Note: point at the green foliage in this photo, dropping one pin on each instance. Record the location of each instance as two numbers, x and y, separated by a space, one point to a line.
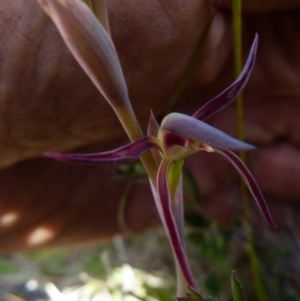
196 220
214 253
237 290
132 170
6 266
192 295
210 245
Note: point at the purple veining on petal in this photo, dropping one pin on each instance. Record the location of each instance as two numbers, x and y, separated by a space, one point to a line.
249 181
171 139
129 152
229 94
197 130
152 131
172 230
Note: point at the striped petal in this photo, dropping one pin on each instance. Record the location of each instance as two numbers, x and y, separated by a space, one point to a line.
192 128
152 131
249 181
170 222
129 152
153 126
230 94
91 45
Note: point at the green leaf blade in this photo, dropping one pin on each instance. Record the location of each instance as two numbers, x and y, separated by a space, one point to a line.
237 290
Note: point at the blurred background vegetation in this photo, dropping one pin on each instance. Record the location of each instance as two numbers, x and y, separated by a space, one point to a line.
140 267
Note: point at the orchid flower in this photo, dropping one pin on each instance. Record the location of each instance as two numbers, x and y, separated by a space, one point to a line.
178 135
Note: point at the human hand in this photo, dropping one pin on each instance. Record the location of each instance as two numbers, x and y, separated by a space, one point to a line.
49 104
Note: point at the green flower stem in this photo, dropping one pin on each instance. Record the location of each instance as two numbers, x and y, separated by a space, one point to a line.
260 290
237 42
121 208
132 128
130 124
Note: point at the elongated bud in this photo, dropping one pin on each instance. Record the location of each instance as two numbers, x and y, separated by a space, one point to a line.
91 45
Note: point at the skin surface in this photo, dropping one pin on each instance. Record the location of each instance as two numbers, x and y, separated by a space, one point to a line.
47 103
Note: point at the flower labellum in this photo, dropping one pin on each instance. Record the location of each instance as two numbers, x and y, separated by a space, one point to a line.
192 128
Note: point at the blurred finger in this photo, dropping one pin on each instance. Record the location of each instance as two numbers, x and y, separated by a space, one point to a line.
277 169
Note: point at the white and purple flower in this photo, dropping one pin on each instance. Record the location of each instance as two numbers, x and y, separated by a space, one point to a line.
177 137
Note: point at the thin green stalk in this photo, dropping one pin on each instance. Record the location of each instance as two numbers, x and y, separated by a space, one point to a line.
237 45
259 286
122 206
131 126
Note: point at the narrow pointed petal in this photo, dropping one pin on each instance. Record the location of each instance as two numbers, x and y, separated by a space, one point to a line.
129 152
250 182
91 45
229 94
153 126
152 131
192 128
170 223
